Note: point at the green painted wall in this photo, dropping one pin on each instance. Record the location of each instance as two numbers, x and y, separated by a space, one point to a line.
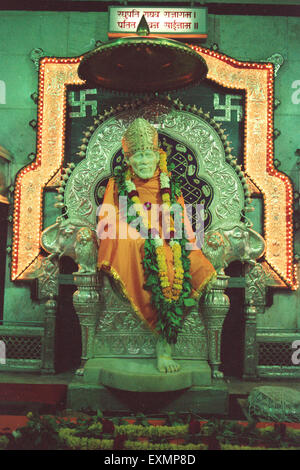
73 33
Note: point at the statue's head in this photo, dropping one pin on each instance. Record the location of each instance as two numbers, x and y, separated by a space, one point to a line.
140 147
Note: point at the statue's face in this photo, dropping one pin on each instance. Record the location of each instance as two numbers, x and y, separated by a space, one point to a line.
144 163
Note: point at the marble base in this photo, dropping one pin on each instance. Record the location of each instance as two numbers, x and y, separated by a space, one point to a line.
204 401
141 375
134 385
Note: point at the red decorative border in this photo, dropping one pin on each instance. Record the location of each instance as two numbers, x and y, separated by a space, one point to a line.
257 81
54 76
238 77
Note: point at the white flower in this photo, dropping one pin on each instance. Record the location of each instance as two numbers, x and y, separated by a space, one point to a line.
130 186
164 180
157 241
173 242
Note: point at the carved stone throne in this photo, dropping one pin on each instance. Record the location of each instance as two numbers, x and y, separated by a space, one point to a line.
201 156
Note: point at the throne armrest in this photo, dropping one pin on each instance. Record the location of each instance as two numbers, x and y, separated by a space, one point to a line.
74 238
229 242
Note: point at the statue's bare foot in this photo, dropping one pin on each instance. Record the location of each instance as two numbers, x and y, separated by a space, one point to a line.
165 363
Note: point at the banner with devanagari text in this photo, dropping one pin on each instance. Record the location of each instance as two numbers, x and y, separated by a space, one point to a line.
166 22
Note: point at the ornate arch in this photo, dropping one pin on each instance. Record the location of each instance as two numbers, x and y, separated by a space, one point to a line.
257 81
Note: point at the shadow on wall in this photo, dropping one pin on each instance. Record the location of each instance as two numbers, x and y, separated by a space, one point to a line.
232 342
68 336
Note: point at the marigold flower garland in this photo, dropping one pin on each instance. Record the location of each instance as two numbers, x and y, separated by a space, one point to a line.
168 300
170 293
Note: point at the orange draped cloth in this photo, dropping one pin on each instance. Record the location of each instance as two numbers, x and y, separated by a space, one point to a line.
122 257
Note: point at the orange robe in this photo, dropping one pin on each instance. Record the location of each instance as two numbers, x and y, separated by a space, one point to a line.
122 258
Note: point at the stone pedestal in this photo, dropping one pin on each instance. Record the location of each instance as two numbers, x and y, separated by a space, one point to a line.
141 375
202 400
135 385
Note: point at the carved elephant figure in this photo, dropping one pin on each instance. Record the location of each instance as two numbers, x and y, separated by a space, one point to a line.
229 242
71 237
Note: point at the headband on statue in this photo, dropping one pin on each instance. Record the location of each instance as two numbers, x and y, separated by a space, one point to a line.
140 135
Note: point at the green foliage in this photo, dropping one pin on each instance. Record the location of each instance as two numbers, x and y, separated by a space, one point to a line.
141 419
173 419
97 432
41 433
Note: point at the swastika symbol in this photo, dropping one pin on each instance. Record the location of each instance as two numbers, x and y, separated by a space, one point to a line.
228 107
83 103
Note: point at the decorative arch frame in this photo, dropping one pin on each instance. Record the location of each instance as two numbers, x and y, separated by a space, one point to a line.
256 79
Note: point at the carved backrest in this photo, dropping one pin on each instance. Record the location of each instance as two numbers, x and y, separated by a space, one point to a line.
199 152
194 143
197 147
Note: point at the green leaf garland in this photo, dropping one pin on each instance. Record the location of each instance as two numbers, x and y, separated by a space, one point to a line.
170 314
